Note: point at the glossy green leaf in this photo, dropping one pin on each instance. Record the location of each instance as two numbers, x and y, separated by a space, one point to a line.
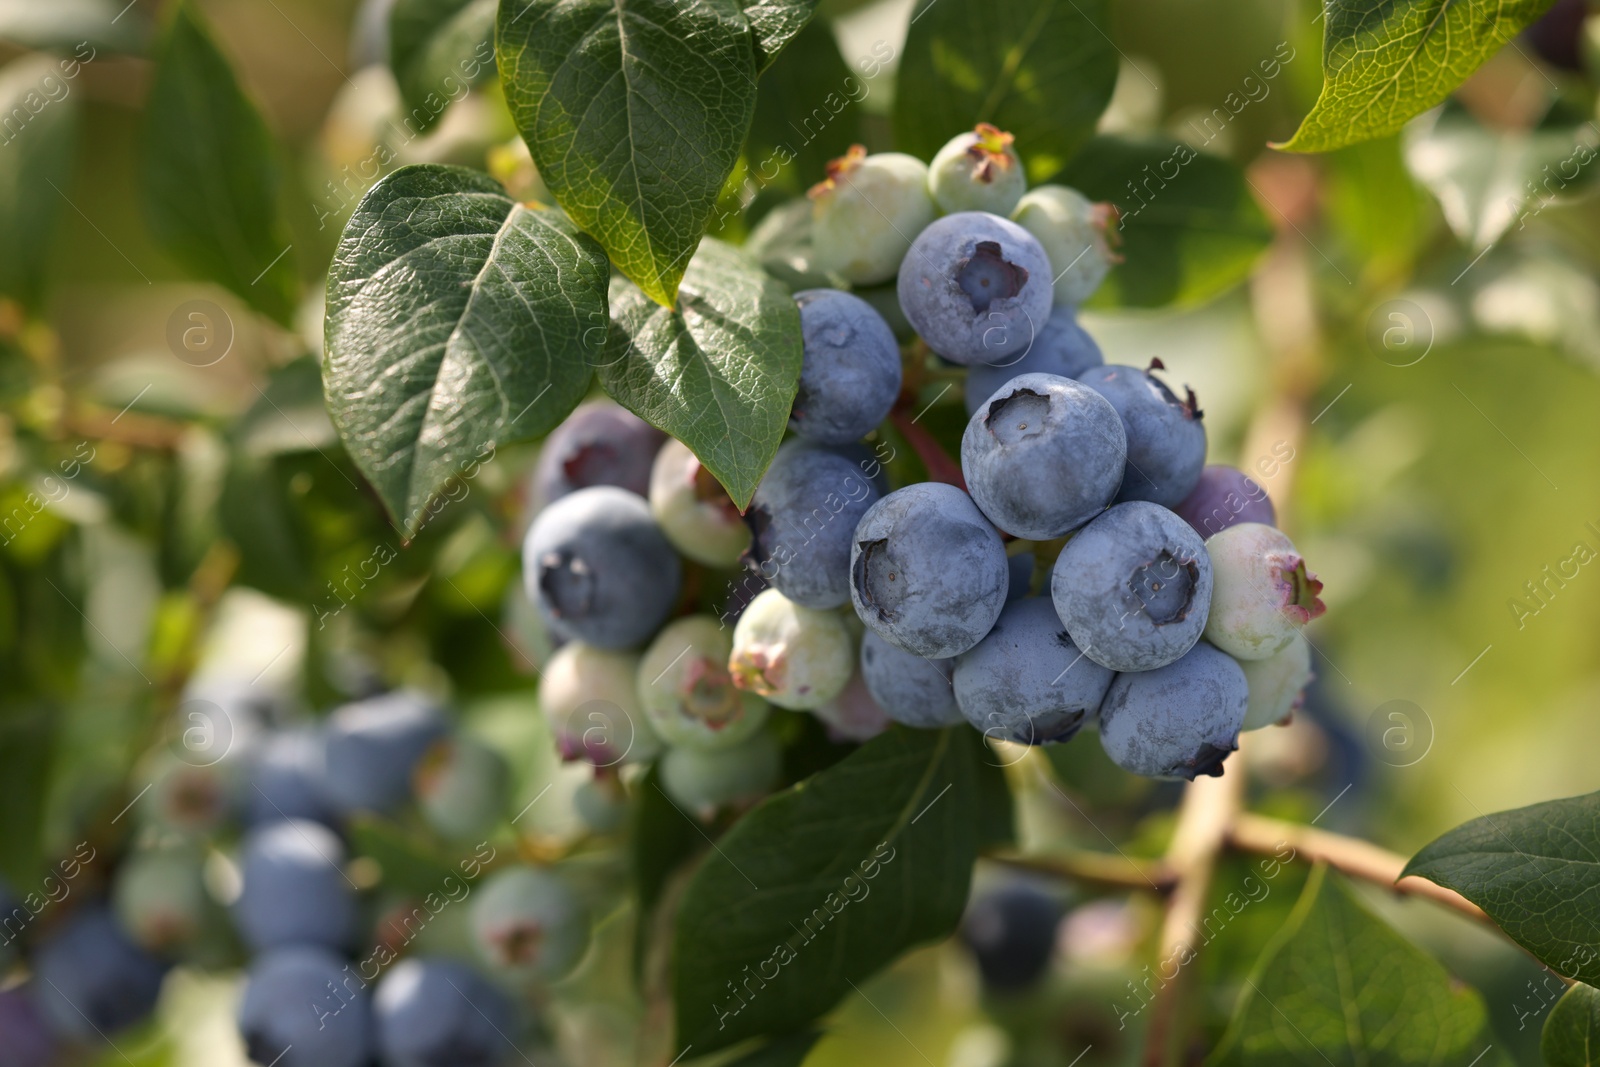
457 320
1188 230
1488 180
38 127
775 23
790 1051
68 24
823 884
437 50
209 174
635 112
1536 871
1571 1035
1385 62
1042 69
808 112
1339 986
720 373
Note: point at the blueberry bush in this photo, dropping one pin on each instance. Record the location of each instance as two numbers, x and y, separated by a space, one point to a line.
680 531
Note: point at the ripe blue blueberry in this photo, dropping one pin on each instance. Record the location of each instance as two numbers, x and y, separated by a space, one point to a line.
1026 681
850 374
1075 235
1166 436
28 1041
1177 721
687 691
1277 684
801 519
373 745
978 171
796 657
976 287
864 212
303 1006
159 897
528 924
430 1012
702 780
928 572
295 891
912 690
462 786
1133 587
1043 456
288 778
1011 932
1224 497
1264 597
693 509
599 568
92 979
1061 347
600 443
590 698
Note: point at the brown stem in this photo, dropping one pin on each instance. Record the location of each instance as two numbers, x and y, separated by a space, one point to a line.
1349 856
941 468
1095 869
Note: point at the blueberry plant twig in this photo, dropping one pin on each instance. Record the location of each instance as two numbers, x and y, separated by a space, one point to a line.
941 468
1099 870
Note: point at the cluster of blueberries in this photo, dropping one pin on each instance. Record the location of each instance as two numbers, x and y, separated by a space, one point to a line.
1090 571
340 974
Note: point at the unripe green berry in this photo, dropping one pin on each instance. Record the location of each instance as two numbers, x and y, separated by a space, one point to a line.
797 657
866 213
693 509
702 780
978 171
686 689
1277 684
1076 236
462 785
590 698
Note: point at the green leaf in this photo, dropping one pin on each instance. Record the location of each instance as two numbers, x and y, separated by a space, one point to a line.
1189 228
823 884
1384 62
437 50
28 740
1571 1035
720 374
209 174
776 23
805 114
1536 871
1338 986
635 111
35 169
1488 180
458 320
661 839
790 1051
69 24
1042 69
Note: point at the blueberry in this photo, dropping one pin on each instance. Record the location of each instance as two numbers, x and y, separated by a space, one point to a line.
1277 684
159 897
1043 456
600 443
976 287
27 1040
1074 233
928 572
693 509
1264 593
801 519
528 924
1061 347
431 1012
910 689
92 979
850 374
978 171
590 698
1011 932
703 780
1133 587
373 745
1177 721
598 566
854 715
601 803
688 694
288 778
1026 681
796 657
1166 436
295 891
186 798
462 786
1224 497
864 210
303 1006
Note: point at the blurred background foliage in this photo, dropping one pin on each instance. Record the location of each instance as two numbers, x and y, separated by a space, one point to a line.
158 518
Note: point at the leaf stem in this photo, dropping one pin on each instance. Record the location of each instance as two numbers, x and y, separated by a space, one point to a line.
1094 869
